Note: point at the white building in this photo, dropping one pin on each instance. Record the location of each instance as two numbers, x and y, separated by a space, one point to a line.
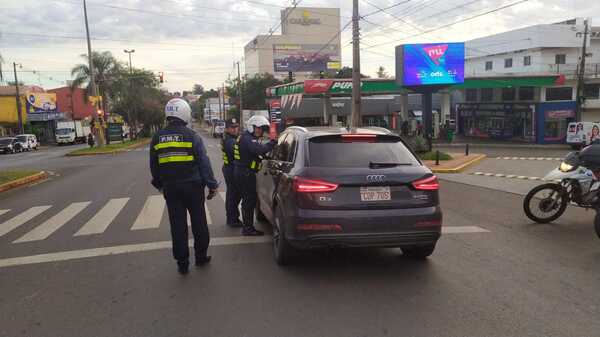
541 50
310 42
215 108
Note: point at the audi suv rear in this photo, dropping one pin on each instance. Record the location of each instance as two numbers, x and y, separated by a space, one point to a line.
324 187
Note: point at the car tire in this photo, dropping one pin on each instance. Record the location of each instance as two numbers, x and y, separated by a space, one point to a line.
418 252
283 252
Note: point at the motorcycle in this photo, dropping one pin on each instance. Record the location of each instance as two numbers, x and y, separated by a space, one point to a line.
575 181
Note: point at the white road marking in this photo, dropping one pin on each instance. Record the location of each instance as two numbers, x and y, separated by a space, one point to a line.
530 158
100 222
4 211
511 176
123 249
44 230
152 213
22 218
463 229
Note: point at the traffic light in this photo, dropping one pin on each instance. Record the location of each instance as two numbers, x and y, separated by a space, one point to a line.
161 78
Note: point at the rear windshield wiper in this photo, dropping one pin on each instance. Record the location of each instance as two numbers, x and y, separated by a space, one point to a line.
383 165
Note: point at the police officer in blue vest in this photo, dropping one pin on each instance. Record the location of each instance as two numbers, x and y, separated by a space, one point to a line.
232 196
247 154
181 169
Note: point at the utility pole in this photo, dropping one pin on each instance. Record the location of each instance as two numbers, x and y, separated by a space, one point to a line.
240 92
131 103
93 88
224 114
581 75
18 98
356 99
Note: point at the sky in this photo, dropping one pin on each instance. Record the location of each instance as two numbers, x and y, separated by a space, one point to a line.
198 41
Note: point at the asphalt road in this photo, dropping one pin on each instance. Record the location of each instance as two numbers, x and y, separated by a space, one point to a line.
84 265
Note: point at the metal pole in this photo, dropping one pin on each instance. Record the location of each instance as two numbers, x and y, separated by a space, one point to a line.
132 105
356 98
18 98
240 92
581 75
93 87
223 113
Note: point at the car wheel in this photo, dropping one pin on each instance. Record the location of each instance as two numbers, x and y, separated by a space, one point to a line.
283 253
418 252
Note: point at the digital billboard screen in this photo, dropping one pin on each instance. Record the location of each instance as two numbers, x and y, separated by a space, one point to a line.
430 64
305 57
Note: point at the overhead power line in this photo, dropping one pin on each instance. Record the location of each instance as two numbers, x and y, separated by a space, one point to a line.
456 22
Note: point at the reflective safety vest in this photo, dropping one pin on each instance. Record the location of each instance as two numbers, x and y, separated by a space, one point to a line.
254 163
227 157
175 152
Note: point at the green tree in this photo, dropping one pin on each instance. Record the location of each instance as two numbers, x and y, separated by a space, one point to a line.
106 69
254 93
198 89
346 72
381 73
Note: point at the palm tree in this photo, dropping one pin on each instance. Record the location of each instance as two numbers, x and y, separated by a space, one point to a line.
106 67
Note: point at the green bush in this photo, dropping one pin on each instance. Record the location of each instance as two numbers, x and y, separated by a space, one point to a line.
418 144
431 156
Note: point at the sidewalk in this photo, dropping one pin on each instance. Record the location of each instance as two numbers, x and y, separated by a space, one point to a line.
457 164
461 141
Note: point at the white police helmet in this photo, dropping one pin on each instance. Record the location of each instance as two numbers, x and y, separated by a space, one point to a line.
179 109
258 122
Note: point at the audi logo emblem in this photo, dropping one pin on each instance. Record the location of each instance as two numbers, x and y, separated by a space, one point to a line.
375 178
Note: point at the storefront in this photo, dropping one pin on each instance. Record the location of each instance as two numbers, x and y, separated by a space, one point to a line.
553 118
497 121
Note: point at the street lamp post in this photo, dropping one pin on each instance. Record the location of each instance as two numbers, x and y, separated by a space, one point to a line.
131 105
18 98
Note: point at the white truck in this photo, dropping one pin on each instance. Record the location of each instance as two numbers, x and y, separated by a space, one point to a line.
71 132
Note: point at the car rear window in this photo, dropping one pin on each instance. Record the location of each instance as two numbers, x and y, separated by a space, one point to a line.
331 151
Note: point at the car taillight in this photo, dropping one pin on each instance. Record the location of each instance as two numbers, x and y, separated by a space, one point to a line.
357 137
311 186
427 184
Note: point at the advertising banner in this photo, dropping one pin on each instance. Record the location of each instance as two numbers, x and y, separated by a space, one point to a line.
430 64
41 102
305 57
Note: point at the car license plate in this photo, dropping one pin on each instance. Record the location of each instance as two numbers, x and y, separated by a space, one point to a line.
375 193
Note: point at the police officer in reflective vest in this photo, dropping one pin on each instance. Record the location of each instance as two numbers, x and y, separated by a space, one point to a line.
232 197
181 169
247 153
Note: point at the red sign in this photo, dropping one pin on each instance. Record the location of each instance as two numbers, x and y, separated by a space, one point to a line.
273 131
436 52
276 104
317 86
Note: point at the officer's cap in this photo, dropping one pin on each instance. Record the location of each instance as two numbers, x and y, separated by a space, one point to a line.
231 123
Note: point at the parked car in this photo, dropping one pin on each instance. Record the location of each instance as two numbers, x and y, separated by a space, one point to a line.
324 187
29 140
10 145
218 128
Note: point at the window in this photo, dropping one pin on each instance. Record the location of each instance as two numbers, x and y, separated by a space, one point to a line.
331 151
489 65
527 60
487 94
507 63
471 95
526 93
591 91
281 150
508 94
559 94
560 59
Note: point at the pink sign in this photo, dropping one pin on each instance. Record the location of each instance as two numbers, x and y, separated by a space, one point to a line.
567 113
436 52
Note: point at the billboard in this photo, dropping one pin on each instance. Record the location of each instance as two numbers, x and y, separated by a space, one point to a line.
41 102
305 57
430 64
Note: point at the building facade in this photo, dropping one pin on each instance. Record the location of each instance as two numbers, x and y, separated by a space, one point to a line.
309 43
73 103
511 104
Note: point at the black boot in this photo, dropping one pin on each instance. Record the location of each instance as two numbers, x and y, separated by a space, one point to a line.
183 267
200 261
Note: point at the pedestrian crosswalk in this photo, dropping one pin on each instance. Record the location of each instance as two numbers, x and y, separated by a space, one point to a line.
52 218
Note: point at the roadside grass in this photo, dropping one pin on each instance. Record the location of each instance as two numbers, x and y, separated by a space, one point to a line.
431 156
8 176
111 148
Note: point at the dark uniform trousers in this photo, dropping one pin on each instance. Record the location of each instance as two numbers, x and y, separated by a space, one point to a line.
245 180
232 195
182 198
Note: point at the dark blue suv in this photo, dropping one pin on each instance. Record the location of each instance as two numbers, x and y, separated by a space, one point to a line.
324 187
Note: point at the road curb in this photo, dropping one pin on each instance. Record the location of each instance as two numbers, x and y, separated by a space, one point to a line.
23 181
130 147
459 168
505 146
